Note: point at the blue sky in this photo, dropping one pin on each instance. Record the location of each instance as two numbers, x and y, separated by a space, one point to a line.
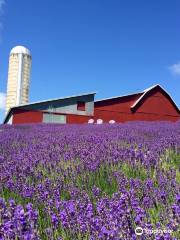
113 47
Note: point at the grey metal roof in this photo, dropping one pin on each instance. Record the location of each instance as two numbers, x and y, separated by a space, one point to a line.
55 99
128 95
121 96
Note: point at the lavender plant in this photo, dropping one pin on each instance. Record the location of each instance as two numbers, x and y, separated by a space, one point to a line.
90 182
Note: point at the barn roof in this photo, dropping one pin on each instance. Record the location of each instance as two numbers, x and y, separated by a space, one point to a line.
121 96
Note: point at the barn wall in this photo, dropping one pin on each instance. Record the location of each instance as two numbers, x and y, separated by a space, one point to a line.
156 106
117 109
73 118
77 119
122 104
154 117
23 116
157 102
106 116
67 105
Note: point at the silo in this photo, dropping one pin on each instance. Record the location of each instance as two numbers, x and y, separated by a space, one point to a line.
18 77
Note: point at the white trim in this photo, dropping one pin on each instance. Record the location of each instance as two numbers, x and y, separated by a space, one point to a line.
148 89
145 91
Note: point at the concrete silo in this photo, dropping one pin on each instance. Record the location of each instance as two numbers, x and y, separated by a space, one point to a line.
18 77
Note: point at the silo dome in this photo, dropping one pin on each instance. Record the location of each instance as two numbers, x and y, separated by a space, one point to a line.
20 49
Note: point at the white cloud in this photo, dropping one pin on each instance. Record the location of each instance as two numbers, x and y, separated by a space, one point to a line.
175 68
2 100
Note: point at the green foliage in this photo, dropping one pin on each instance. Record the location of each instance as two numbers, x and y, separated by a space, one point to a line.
171 160
7 194
101 178
154 213
137 171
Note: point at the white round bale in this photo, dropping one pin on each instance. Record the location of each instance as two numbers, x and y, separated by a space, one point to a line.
112 121
91 121
99 121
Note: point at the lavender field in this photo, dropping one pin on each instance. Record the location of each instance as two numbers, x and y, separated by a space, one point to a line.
90 182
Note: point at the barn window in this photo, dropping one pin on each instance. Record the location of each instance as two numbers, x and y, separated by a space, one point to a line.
53 118
81 106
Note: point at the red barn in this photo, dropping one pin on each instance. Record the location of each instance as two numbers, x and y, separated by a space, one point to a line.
152 104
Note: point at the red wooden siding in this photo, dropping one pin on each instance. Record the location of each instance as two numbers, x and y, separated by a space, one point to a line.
155 106
106 116
72 118
121 104
117 109
157 102
24 116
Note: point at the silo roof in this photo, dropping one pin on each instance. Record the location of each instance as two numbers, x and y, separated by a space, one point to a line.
20 49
